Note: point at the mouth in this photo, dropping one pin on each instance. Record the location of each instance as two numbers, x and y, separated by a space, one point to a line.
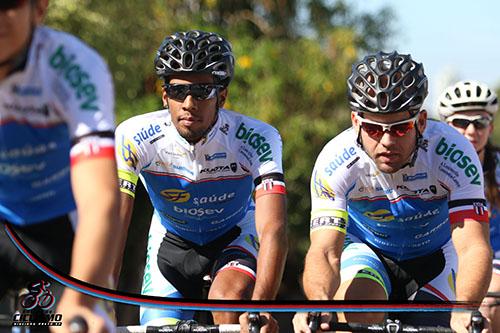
187 120
388 156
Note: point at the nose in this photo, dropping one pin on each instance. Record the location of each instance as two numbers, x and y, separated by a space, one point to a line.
471 129
388 140
189 103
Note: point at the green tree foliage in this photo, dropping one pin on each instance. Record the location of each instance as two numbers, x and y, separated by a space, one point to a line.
292 62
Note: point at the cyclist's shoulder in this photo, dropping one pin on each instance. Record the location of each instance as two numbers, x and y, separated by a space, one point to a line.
57 39
344 141
240 123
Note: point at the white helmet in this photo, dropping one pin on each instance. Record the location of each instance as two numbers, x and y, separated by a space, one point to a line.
465 96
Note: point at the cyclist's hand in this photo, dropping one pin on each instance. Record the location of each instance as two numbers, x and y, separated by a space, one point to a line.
97 319
267 323
461 322
301 322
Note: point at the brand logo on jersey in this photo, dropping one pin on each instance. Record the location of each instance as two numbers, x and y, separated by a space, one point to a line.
417 176
217 199
147 133
431 189
224 128
175 195
198 212
215 156
380 215
78 79
26 90
220 168
457 156
323 190
256 141
129 153
339 159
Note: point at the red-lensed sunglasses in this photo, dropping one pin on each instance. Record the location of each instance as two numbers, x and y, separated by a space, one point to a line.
397 129
11 4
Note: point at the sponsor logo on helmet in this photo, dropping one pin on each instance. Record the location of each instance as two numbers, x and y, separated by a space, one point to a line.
459 158
77 78
256 141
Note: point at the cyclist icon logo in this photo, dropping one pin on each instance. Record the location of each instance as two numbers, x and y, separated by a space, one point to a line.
40 295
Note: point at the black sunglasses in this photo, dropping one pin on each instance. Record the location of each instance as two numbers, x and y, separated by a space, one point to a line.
200 92
11 4
463 123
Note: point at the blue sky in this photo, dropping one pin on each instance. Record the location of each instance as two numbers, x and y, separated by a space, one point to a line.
453 39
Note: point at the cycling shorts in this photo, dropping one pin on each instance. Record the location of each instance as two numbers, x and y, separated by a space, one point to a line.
51 241
433 273
176 267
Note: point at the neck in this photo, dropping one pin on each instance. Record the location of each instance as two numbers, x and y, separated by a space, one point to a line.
481 154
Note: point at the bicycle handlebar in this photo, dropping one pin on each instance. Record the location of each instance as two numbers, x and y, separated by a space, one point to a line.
477 325
224 328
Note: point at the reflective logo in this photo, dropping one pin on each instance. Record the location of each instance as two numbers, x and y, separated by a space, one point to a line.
381 215
175 195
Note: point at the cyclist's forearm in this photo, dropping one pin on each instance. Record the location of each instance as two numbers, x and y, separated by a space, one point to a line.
94 250
270 264
321 277
474 273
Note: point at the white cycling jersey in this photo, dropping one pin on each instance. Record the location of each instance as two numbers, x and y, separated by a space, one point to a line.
199 191
58 101
405 214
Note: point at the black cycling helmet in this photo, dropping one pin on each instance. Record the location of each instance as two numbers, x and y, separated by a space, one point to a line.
387 83
195 52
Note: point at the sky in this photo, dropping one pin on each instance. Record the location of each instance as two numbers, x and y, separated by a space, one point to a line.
455 40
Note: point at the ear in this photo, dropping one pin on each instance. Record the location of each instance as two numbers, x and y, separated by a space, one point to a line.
40 9
222 97
164 98
422 121
355 122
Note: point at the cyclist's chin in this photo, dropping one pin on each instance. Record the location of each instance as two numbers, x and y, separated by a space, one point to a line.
191 133
389 166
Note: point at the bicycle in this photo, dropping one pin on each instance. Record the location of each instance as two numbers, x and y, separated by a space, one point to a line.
392 326
78 325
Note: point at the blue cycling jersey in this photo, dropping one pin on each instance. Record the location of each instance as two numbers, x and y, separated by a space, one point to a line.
60 95
199 191
405 214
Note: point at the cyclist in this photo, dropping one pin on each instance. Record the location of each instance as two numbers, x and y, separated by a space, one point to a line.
57 162
390 197
473 103
200 164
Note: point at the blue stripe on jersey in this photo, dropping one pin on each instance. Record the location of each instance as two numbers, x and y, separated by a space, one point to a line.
34 173
403 229
199 211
